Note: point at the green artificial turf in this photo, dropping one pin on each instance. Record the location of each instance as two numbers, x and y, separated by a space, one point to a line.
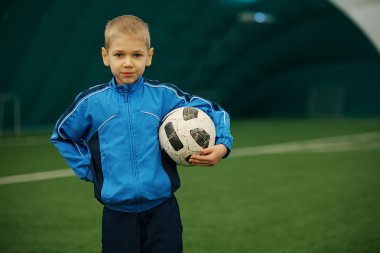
291 202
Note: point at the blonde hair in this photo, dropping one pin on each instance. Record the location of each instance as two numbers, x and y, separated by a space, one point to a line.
128 25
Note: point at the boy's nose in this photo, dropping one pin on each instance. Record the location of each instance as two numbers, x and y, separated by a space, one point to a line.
127 62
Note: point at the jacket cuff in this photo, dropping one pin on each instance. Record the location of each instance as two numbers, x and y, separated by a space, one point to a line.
227 143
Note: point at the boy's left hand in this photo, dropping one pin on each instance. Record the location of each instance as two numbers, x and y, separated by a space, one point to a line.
209 156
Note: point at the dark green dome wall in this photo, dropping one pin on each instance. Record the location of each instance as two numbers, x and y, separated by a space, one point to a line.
311 61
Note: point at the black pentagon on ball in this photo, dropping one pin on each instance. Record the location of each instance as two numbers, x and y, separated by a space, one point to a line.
187 159
173 137
200 136
189 113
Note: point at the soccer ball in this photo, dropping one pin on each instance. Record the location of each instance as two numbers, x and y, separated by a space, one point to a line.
184 132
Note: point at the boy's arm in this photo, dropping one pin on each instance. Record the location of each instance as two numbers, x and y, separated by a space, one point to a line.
68 138
212 155
221 119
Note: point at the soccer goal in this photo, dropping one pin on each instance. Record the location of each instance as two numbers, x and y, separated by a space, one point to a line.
326 102
10 113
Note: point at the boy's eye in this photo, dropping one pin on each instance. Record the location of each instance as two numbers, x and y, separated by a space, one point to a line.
118 54
137 55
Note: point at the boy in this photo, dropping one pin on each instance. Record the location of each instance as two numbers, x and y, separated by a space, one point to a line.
109 136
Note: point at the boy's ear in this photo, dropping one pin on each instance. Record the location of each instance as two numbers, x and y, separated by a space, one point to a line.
150 56
105 57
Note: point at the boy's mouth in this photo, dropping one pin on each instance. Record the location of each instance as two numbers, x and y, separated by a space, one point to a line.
127 73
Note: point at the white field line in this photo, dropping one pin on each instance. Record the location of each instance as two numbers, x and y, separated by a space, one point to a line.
38 176
365 141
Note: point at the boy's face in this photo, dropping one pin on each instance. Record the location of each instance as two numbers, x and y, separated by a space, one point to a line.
127 57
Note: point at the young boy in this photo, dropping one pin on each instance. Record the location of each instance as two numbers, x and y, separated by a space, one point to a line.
109 136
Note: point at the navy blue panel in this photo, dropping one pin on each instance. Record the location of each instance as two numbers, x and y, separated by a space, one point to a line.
171 170
180 93
96 166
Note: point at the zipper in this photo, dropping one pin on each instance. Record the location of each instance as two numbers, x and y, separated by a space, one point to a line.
127 99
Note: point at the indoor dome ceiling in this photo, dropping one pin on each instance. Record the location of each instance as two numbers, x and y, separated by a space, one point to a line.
366 14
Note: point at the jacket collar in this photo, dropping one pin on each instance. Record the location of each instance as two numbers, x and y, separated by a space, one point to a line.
126 87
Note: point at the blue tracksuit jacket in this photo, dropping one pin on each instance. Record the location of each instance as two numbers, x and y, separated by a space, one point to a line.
109 136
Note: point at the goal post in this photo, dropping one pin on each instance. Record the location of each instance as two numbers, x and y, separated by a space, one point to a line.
10 113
